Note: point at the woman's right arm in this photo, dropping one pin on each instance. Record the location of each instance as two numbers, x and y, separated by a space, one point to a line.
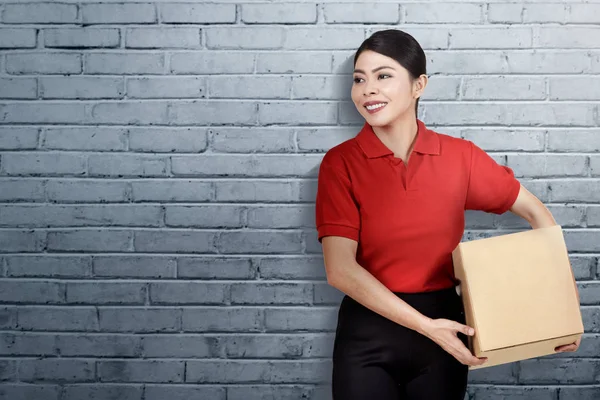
346 275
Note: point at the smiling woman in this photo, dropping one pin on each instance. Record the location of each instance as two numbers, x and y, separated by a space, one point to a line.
389 78
388 227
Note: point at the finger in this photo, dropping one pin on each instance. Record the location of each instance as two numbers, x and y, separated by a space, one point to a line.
562 346
567 347
475 361
469 358
466 329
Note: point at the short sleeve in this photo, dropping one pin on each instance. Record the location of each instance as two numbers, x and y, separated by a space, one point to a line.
337 212
492 187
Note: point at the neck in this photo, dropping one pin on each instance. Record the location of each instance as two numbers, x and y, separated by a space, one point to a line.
399 135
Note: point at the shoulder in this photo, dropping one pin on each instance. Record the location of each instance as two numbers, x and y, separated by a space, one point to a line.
452 145
467 152
341 155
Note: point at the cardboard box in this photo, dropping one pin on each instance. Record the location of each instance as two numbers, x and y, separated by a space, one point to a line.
518 294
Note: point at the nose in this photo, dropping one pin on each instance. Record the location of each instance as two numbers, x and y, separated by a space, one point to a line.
370 87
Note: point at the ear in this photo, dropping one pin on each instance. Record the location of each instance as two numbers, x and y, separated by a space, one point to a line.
419 86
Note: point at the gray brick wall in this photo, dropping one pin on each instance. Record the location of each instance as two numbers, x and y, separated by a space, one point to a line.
158 165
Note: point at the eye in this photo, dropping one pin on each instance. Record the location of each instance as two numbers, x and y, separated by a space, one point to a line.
380 75
356 80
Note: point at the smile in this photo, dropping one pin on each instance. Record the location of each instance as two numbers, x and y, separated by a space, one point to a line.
375 107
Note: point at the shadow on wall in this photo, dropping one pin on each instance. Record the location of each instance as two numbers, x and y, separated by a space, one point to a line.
349 124
348 113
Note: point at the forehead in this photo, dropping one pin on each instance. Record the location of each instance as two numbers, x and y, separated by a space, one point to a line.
368 60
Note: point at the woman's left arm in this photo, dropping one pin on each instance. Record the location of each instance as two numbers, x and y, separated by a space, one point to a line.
530 208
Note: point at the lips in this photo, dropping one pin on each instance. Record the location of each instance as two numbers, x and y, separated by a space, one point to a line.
374 106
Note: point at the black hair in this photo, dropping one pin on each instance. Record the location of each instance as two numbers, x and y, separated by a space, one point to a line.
400 46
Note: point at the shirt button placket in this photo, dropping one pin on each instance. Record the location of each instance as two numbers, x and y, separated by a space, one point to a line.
401 169
404 172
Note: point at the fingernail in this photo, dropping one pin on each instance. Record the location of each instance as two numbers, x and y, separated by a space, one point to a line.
471 331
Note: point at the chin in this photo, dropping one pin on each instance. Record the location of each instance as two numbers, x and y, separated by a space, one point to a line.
385 120
378 120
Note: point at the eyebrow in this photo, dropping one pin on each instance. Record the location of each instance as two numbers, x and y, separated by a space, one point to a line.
374 70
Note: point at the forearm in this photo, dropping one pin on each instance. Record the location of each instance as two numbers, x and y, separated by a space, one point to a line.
363 287
541 217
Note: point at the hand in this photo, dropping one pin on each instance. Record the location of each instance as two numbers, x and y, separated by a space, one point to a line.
443 332
568 347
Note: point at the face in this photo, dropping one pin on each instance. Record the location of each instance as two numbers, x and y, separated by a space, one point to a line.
382 89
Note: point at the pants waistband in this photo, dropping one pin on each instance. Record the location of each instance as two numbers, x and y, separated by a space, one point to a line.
451 291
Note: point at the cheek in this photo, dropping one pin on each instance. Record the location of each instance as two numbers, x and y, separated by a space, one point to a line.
354 93
397 91
355 96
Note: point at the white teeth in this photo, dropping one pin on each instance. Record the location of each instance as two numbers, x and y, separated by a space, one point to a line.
375 106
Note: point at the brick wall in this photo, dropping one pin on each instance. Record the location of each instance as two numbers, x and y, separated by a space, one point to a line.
158 168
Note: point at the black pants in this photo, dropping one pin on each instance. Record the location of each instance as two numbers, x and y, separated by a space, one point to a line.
375 358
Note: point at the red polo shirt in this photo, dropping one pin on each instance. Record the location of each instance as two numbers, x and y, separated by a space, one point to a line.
407 220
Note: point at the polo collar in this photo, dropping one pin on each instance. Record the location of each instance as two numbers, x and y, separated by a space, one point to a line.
427 142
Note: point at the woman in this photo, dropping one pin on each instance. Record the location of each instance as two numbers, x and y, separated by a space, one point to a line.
389 211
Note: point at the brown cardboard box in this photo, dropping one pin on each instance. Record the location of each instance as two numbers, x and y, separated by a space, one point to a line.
518 294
